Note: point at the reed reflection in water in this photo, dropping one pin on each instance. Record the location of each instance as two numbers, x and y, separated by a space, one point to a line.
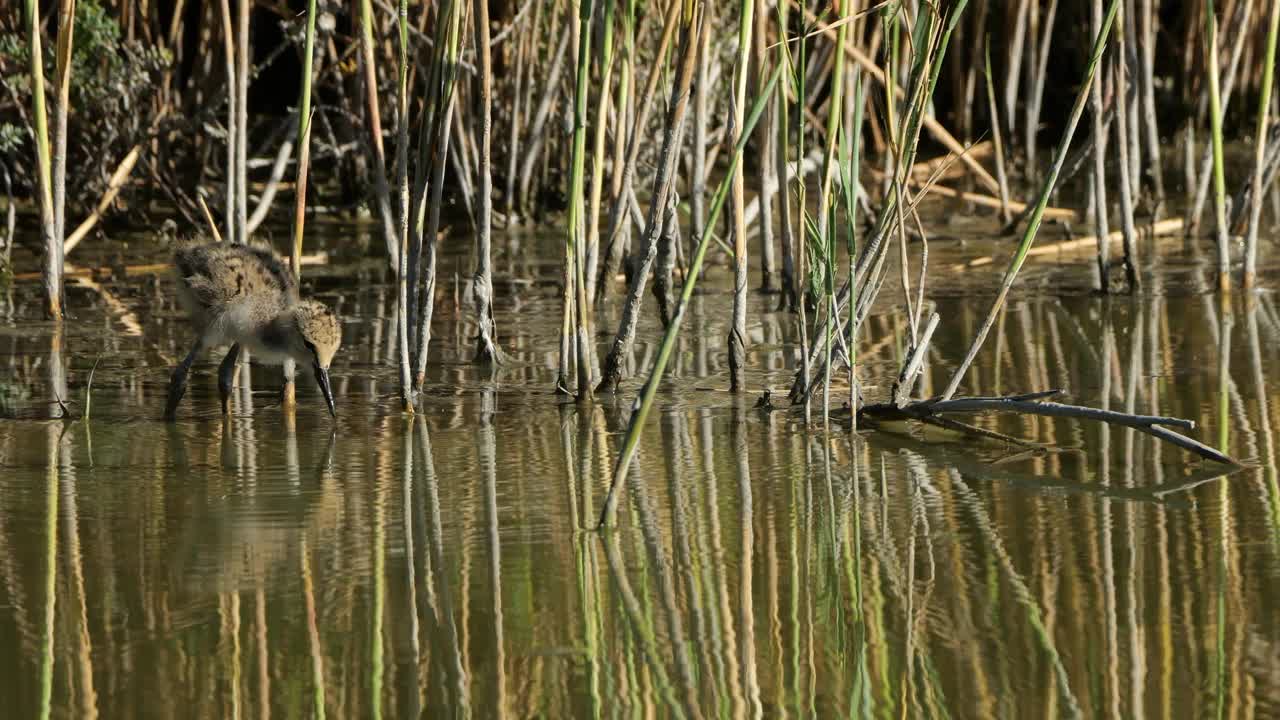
394 568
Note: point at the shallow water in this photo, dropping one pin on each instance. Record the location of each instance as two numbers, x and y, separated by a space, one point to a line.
381 566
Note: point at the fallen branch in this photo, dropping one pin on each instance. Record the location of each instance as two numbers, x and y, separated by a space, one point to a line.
1155 425
114 184
1054 213
118 179
1172 226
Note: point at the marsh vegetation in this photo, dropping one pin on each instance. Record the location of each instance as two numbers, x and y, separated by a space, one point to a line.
885 358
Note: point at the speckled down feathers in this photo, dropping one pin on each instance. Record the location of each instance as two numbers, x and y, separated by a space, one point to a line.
245 294
215 277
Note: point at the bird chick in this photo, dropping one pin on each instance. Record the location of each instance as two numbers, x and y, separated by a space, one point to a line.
246 296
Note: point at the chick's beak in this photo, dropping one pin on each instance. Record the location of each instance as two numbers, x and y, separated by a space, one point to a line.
322 379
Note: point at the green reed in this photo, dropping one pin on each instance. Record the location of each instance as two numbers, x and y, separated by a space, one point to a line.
737 341
1215 135
300 184
1260 148
53 251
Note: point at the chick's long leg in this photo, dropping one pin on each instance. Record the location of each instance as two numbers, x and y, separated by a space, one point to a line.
227 376
178 382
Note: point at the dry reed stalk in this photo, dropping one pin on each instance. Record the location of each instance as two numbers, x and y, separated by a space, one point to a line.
1147 48
1097 119
486 343
598 155
779 120
701 94
283 155
997 137
373 118
1215 134
242 121
229 57
1160 228
663 186
618 213
1039 75
623 128
766 186
1130 96
523 43
1120 85
737 341
1013 65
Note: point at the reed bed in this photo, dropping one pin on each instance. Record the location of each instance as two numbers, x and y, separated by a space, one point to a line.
491 105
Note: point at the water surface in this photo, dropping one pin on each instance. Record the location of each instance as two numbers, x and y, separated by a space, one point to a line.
259 566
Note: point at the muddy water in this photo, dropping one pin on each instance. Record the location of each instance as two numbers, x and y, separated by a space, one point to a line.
383 567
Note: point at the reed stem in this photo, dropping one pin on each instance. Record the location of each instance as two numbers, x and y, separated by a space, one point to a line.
52 265
1260 148
737 342
486 332
1215 135
300 186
